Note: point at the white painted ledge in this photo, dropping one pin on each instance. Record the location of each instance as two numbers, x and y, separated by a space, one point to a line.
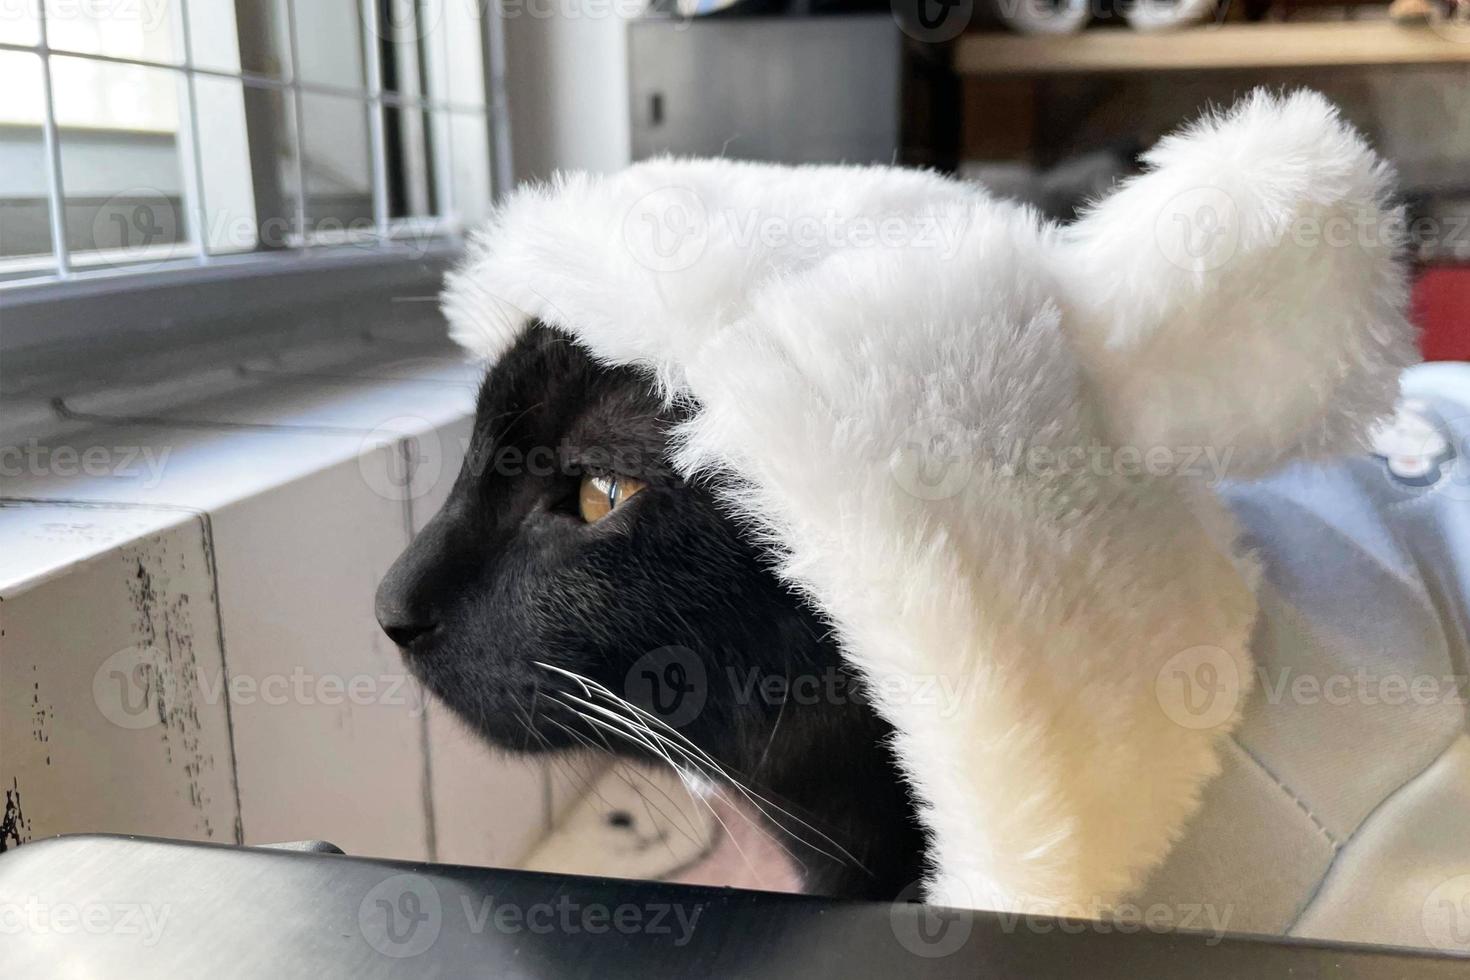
187 644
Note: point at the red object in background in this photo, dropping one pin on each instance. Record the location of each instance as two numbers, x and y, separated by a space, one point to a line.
1441 309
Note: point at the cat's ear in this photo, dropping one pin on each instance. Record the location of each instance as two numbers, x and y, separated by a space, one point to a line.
1245 293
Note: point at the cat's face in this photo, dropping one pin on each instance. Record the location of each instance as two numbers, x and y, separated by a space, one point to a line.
568 544
575 593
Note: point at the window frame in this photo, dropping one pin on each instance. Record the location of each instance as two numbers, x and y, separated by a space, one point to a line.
37 312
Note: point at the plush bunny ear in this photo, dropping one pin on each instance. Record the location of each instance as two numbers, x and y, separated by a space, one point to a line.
1244 294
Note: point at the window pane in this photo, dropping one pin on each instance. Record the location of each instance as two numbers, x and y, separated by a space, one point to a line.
412 184
434 50
249 185
338 164
25 218
266 179
470 152
240 35
329 41
101 95
19 22
403 25
120 161
451 44
143 31
463 28
270 116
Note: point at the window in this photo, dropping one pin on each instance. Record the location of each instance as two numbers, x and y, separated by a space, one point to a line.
146 134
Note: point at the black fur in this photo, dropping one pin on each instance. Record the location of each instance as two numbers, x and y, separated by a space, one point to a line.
665 602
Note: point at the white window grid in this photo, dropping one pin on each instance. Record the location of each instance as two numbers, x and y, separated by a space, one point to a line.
388 233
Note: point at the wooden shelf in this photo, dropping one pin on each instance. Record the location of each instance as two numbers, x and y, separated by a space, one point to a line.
1212 46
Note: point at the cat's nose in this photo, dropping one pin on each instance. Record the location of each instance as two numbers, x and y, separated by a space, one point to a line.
399 620
411 597
403 633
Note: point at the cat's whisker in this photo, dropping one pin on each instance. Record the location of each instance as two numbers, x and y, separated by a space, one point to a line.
565 765
653 748
776 727
684 779
755 799
693 795
641 735
663 745
591 687
735 841
622 771
703 758
584 740
582 780
648 805
654 740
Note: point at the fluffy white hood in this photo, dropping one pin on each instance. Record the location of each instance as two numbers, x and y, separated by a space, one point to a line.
982 444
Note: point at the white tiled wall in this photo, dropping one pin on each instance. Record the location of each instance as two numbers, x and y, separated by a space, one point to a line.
318 681
187 643
107 720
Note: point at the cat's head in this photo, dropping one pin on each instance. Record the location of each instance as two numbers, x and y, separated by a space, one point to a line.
568 548
574 592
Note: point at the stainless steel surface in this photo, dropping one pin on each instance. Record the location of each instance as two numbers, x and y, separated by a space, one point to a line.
784 89
122 907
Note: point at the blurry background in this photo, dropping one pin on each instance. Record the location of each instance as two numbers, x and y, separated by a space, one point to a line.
226 401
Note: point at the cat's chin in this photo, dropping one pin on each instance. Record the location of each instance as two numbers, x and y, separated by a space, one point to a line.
525 741
506 719
513 729
507 715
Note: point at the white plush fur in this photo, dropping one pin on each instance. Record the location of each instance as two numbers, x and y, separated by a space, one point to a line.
1015 612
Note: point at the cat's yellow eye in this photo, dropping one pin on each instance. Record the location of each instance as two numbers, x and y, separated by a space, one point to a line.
601 495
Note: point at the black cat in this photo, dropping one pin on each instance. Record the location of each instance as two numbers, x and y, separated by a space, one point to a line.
574 591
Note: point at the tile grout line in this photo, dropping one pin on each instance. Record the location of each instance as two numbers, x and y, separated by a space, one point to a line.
224 661
426 785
